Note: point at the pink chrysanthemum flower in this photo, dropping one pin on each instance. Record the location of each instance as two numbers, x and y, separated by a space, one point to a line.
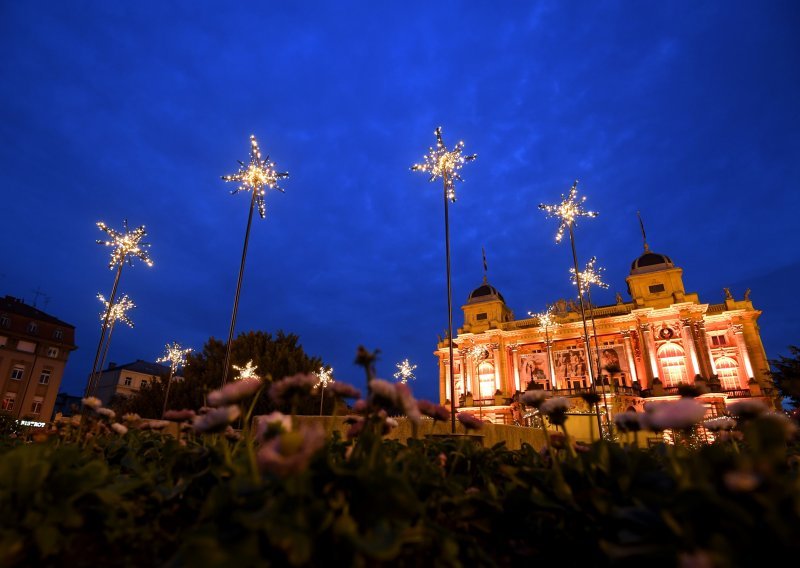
119 428
534 398
469 421
435 411
107 412
290 453
179 415
343 390
301 384
92 402
216 419
270 425
234 392
681 415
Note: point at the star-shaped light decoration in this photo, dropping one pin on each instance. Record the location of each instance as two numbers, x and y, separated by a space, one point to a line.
477 352
405 371
257 176
175 355
546 319
568 210
591 276
443 163
127 245
324 376
118 310
246 372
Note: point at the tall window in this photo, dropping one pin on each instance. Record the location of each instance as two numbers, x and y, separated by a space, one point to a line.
17 372
36 407
672 361
52 352
5 321
58 334
127 381
486 377
8 401
718 340
33 327
44 378
728 373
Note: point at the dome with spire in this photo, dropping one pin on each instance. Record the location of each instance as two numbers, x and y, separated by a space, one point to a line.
651 261
485 292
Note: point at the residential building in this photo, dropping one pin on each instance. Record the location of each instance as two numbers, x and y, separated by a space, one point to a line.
34 347
128 379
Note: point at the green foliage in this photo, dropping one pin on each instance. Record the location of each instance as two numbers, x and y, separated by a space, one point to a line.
144 499
786 374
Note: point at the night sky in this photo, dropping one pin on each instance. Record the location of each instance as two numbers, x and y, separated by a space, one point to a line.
686 111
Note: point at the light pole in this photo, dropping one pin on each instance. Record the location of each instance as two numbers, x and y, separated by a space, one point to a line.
256 177
567 211
588 278
325 377
175 355
443 163
127 245
546 321
118 313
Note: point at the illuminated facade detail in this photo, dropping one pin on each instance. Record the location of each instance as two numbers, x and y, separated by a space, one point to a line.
34 347
128 379
661 333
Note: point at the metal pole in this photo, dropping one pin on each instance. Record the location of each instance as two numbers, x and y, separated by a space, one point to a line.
106 349
449 310
321 398
91 387
549 362
238 290
166 394
597 354
585 329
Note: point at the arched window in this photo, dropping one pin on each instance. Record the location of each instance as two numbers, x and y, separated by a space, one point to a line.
672 361
486 379
728 373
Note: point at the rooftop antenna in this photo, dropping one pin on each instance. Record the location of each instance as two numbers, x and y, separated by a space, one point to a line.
38 292
644 236
485 266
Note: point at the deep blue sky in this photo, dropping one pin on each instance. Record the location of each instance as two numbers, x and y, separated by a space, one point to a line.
687 111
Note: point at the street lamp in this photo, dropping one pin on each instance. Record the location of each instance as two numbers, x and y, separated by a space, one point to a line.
445 164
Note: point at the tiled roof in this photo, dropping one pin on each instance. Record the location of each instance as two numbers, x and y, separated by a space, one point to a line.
13 305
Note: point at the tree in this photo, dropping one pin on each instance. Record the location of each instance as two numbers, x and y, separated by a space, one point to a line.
275 357
786 375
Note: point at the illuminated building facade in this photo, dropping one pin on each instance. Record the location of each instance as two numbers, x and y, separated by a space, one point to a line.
34 347
128 379
663 337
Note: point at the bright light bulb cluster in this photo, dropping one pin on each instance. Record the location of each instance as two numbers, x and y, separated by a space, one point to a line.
175 355
324 376
118 310
127 245
545 318
405 371
477 352
568 210
257 176
246 372
590 276
443 163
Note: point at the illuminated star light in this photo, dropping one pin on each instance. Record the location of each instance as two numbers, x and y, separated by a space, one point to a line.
325 377
405 371
118 310
591 276
257 176
175 355
443 163
127 245
477 352
545 318
246 372
568 210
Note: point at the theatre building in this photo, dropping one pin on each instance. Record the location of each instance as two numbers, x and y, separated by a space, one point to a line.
661 338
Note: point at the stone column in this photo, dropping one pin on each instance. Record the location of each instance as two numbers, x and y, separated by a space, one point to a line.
737 334
496 358
626 342
444 377
649 347
689 348
707 358
515 361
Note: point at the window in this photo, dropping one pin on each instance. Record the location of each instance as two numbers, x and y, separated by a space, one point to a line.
481 316
728 373
128 381
52 352
673 364
58 334
719 340
656 288
17 372
143 383
486 380
5 321
8 401
36 407
33 327
44 378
